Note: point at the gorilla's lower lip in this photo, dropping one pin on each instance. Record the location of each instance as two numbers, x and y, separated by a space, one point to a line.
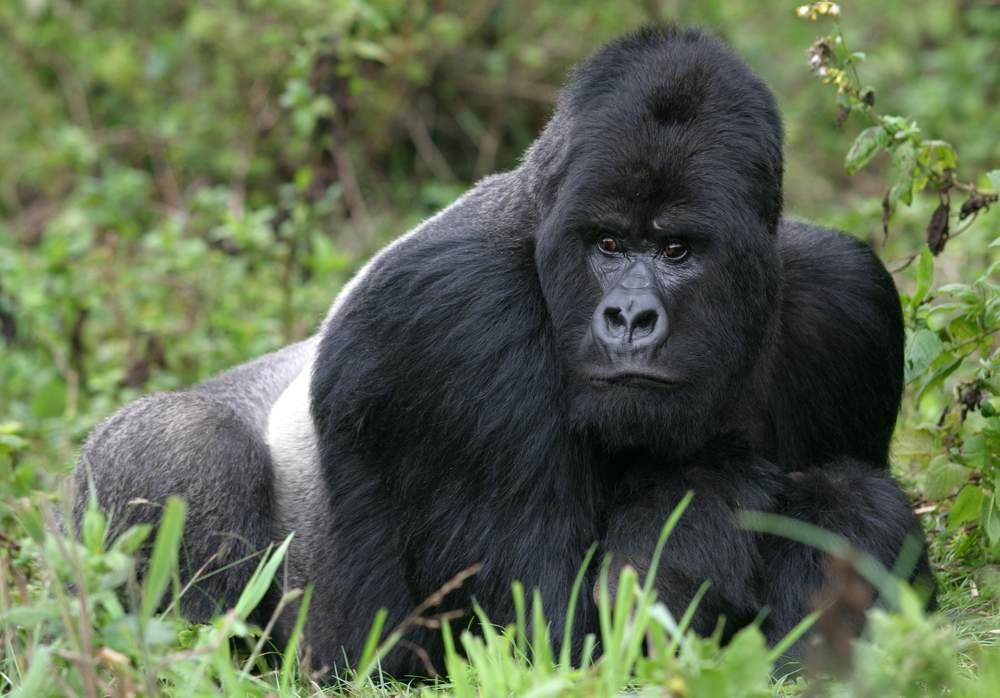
657 380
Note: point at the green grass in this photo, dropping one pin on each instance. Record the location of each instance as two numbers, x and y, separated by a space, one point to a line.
76 620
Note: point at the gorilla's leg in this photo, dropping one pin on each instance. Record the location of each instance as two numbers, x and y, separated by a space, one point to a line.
853 500
200 449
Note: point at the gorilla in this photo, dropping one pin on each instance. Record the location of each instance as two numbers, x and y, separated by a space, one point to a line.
553 361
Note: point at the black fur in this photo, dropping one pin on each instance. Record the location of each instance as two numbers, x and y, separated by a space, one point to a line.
497 390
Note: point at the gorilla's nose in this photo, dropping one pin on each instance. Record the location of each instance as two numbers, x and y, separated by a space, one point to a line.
630 320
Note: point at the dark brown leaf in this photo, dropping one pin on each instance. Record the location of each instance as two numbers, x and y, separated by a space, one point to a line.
970 397
937 228
974 203
843 600
842 115
886 215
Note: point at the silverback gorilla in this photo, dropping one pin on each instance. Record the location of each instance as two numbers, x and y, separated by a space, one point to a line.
550 362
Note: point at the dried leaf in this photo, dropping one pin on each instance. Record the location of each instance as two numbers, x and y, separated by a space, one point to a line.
937 228
842 115
844 599
886 215
974 203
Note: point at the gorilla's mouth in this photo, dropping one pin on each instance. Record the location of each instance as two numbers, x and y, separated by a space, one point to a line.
649 379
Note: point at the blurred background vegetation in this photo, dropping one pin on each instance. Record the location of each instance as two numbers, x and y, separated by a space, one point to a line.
186 185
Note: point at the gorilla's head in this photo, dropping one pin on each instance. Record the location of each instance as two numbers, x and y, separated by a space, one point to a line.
658 189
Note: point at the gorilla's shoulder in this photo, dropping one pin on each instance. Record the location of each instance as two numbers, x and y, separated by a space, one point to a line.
458 289
841 335
833 279
476 250
808 248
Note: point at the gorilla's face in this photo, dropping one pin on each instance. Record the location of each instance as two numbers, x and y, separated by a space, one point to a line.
658 187
662 281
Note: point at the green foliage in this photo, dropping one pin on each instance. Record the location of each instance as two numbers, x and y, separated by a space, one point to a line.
75 621
952 357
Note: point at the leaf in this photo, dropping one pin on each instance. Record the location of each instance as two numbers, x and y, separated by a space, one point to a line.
943 476
966 507
744 663
50 399
904 166
943 366
868 143
39 675
990 519
925 278
939 156
976 452
976 203
261 579
94 526
994 177
31 522
887 210
371 51
130 540
922 347
27 617
937 228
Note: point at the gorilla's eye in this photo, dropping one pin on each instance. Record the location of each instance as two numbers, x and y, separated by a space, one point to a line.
609 245
675 250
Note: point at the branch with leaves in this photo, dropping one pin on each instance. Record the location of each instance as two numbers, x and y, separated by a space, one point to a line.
918 163
952 360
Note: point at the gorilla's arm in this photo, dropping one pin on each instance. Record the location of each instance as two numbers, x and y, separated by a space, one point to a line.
850 499
442 443
707 543
837 372
748 572
831 409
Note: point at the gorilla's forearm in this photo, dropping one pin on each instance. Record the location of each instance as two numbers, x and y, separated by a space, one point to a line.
850 499
749 572
707 544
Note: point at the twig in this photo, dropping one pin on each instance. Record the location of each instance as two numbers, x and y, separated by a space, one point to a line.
266 632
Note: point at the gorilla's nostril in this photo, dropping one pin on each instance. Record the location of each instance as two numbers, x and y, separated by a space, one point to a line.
615 321
644 324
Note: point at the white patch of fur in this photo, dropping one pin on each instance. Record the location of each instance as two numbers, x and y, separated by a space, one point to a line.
290 433
291 438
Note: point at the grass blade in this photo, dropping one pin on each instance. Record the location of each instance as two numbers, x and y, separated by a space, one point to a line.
564 651
289 655
163 561
668 528
368 654
261 579
792 637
